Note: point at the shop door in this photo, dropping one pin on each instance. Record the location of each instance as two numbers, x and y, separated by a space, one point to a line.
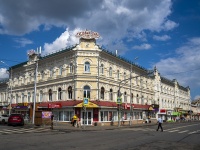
87 118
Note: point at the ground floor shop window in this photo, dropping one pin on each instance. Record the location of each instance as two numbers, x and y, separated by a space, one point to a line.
109 116
137 115
63 115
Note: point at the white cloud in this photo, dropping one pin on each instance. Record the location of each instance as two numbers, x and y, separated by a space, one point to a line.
185 66
67 38
23 41
161 38
3 73
142 47
121 19
169 25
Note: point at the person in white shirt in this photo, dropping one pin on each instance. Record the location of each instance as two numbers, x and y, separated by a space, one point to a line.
160 121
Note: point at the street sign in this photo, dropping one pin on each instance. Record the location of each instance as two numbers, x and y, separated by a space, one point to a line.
119 100
85 101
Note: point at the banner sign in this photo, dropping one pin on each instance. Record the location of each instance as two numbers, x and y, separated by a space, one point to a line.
46 114
54 106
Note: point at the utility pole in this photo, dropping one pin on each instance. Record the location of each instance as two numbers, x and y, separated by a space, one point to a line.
131 98
35 91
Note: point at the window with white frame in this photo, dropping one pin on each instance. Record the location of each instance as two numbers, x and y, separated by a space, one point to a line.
87 66
69 92
110 71
63 115
17 98
59 93
71 68
125 97
108 116
60 70
118 75
23 98
111 94
102 92
86 92
137 98
50 95
101 69
29 97
124 75
51 72
41 95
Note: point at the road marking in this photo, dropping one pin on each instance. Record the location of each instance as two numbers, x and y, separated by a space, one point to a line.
183 131
24 130
173 131
194 132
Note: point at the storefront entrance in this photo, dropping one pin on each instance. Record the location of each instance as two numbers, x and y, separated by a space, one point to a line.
87 117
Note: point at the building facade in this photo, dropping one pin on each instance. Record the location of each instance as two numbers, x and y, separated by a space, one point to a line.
97 85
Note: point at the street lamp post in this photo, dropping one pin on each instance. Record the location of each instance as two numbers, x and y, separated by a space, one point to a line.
131 98
35 91
119 93
10 85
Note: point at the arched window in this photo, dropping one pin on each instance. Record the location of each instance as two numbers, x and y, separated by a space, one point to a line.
111 95
60 70
59 93
142 99
110 71
124 75
125 97
118 75
86 93
131 98
22 97
41 95
137 99
69 92
87 66
51 72
50 95
102 92
71 68
29 97
101 69
17 98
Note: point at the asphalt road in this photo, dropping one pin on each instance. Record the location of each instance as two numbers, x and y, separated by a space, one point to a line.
183 136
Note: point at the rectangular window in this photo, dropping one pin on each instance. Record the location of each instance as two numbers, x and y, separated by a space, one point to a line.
109 116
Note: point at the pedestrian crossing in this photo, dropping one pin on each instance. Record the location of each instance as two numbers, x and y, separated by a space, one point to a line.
23 130
167 130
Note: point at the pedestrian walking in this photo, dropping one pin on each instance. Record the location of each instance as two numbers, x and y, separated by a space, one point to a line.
160 121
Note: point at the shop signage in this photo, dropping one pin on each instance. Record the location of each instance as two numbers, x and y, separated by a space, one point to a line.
119 100
21 107
85 101
90 105
22 104
54 106
46 114
162 111
155 106
87 34
151 108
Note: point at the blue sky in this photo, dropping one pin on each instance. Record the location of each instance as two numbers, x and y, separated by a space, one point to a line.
161 33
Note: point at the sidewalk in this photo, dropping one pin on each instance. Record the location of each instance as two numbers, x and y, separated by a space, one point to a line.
69 127
65 127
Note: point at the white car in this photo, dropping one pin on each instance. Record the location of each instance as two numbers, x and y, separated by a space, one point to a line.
4 118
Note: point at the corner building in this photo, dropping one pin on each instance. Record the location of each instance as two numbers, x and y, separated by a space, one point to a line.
86 71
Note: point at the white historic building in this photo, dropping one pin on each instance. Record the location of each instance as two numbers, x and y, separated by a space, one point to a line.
114 86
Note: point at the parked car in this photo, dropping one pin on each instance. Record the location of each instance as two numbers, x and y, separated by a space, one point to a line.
16 119
4 118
